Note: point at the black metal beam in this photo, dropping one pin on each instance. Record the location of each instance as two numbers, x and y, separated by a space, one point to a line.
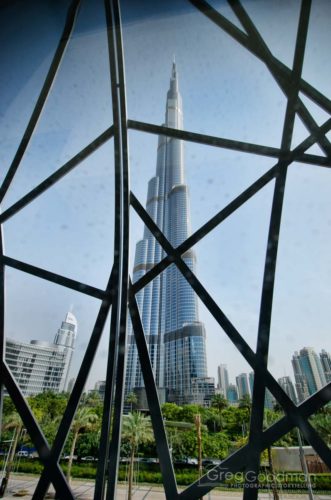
78 389
208 140
54 278
262 348
255 44
58 56
237 461
167 471
225 212
114 390
242 38
35 433
115 46
286 84
260 370
57 175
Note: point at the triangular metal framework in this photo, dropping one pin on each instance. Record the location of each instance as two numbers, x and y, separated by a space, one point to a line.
120 292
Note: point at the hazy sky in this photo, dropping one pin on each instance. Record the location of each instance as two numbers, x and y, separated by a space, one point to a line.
226 91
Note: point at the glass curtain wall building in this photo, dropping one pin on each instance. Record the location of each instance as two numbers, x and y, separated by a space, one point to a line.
223 379
168 305
287 384
308 372
326 364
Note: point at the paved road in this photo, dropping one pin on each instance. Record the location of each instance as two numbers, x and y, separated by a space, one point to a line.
83 490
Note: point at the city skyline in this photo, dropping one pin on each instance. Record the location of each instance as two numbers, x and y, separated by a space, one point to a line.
51 232
310 372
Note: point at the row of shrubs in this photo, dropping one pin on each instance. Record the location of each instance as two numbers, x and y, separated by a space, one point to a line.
88 471
289 481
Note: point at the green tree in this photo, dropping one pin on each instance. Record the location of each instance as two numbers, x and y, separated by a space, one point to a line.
215 421
215 445
171 411
92 398
132 400
11 422
88 443
235 419
189 443
136 429
218 401
322 423
47 406
84 420
175 442
188 412
245 402
8 406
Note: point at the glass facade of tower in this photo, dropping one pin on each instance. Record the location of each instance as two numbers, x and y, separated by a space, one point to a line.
286 383
326 364
308 372
223 379
242 385
168 305
312 369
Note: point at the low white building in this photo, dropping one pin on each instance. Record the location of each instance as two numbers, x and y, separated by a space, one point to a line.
288 459
41 366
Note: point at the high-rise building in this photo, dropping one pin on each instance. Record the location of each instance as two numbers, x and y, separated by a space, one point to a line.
251 381
326 364
287 385
269 400
203 390
308 372
100 387
41 366
223 379
65 339
168 305
242 385
301 385
232 394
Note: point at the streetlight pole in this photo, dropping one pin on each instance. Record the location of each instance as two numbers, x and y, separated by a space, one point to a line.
304 467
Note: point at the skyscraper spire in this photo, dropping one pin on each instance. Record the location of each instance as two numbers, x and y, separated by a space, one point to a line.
173 74
173 92
168 305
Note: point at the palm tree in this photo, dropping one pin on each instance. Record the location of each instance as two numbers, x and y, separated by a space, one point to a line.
14 422
136 429
84 420
132 399
220 402
245 402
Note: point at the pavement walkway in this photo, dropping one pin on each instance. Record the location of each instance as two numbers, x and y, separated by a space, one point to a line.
83 490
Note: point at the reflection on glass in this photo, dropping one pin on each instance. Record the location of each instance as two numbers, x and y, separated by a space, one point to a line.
229 93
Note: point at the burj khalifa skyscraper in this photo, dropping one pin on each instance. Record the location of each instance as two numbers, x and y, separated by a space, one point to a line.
168 305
